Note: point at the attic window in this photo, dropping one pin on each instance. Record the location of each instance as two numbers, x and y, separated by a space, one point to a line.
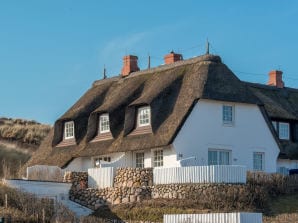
284 130
144 116
104 123
69 130
228 114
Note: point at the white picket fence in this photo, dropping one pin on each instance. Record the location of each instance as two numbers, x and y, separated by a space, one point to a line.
240 217
101 177
200 174
45 173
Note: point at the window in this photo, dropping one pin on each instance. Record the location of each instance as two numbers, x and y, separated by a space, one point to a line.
283 130
104 123
69 130
139 160
144 116
258 161
218 157
158 158
99 159
227 114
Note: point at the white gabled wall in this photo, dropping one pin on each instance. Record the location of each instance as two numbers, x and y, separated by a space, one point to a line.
204 129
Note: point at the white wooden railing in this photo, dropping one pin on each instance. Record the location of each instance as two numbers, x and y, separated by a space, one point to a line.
200 174
101 177
214 218
45 173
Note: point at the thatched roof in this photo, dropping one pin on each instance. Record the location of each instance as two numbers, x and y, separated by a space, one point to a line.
170 90
281 104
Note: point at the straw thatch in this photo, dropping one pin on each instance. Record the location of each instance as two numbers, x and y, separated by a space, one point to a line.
170 90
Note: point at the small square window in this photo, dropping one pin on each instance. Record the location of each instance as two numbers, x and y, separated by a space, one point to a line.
104 123
284 130
158 158
69 130
144 116
258 161
227 114
139 160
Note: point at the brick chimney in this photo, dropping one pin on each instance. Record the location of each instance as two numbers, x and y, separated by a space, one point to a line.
275 79
172 57
130 64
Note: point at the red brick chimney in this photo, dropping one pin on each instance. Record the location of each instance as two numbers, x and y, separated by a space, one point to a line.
275 79
130 64
172 57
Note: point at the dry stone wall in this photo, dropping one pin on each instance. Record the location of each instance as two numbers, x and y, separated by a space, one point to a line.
133 177
209 195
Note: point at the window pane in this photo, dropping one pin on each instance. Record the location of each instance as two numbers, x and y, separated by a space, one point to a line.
69 130
157 158
139 160
224 158
284 130
227 114
212 158
258 161
104 123
144 116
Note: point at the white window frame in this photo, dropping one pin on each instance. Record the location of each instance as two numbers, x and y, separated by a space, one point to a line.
104 123
218 154
227 118
69 130
255 167
140 159
284 130
144 116
158 158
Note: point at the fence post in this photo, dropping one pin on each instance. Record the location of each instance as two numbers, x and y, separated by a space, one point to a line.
6 201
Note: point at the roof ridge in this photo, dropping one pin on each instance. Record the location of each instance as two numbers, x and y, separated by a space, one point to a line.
163 67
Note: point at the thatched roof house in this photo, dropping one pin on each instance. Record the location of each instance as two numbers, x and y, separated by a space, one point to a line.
170 92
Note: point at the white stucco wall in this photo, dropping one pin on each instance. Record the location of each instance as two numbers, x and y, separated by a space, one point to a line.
204 129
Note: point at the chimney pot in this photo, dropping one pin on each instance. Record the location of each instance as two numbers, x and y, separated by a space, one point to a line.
130 64
172 57
275 79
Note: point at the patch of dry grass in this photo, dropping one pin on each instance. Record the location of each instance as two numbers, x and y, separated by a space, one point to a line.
23 131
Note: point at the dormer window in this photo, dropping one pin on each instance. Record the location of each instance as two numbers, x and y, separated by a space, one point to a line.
69 130
144 116
104 123
284 130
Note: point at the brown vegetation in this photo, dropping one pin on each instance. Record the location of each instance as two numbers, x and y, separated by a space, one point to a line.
23 131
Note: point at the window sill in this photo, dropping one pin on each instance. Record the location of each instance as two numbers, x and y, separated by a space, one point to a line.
228 124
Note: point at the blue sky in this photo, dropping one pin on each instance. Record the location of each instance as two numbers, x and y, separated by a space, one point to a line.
51 51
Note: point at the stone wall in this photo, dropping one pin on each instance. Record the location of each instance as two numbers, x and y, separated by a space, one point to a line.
133 177
209 195
95 198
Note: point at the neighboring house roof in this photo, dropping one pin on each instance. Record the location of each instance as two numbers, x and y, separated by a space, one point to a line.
280 104
170 90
